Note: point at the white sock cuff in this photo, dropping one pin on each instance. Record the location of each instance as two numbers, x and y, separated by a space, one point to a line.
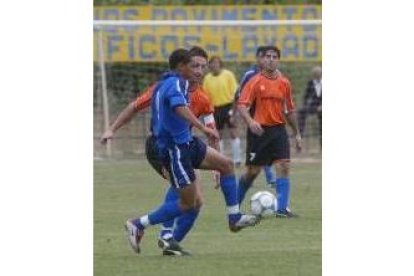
236 141
144 221
166 228
235 209
221 145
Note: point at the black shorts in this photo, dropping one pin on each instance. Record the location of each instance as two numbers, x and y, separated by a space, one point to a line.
153 157
222 117
271 146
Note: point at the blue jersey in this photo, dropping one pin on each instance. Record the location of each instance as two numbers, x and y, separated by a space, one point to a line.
168 127
250 73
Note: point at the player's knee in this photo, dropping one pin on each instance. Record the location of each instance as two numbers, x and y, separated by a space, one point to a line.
198 204
282 168
252 172
227 167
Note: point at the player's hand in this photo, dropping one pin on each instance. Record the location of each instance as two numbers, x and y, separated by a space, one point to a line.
211 133
109 134
256 128
216 176
298 139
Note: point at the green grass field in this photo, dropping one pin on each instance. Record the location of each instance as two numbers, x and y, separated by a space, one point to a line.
274 247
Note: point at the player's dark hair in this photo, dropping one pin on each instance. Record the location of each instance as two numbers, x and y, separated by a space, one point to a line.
271 48
260 51
213 58
196 51
178 56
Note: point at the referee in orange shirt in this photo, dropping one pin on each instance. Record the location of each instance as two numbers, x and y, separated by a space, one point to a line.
266 104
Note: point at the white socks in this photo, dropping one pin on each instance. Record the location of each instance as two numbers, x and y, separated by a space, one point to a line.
235 144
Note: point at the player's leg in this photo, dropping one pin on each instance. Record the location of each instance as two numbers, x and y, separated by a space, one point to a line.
218 118
246 181
302 114
235 140
257 156
270 175
215 160
179 227
183 224
167 227
172 195
282 166
167 239
182 174
169 242
319 114
283 189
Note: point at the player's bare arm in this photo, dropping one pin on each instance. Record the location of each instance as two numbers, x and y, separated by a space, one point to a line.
254 126
293 123
123 118
186 113
214 143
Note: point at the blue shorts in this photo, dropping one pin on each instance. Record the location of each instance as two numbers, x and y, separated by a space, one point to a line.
152 154
181 160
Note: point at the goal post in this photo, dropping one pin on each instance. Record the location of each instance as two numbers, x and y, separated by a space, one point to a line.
131 54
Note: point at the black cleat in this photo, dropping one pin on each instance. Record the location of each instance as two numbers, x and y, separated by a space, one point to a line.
285 214
171 247
243 222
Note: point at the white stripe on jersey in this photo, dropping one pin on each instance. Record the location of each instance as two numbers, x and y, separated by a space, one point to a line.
178 85
157 105
185 90
186 87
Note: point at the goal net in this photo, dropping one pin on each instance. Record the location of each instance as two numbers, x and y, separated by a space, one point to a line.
129 55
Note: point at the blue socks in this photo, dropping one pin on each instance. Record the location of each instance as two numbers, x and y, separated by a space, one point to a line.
270 176
244 185
169 210
180 226
184 223
171 195
282 192
229 189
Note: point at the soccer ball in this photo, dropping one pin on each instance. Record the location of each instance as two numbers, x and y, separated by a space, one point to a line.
263 203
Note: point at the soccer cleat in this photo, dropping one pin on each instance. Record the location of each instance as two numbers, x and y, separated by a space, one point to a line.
171 247
286 213
243 222
134 235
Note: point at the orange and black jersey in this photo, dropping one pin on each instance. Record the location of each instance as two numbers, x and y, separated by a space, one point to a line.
200 104
143 101
271 97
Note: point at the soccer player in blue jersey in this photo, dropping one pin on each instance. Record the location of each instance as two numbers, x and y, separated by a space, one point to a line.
200 105
182 153
250 73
